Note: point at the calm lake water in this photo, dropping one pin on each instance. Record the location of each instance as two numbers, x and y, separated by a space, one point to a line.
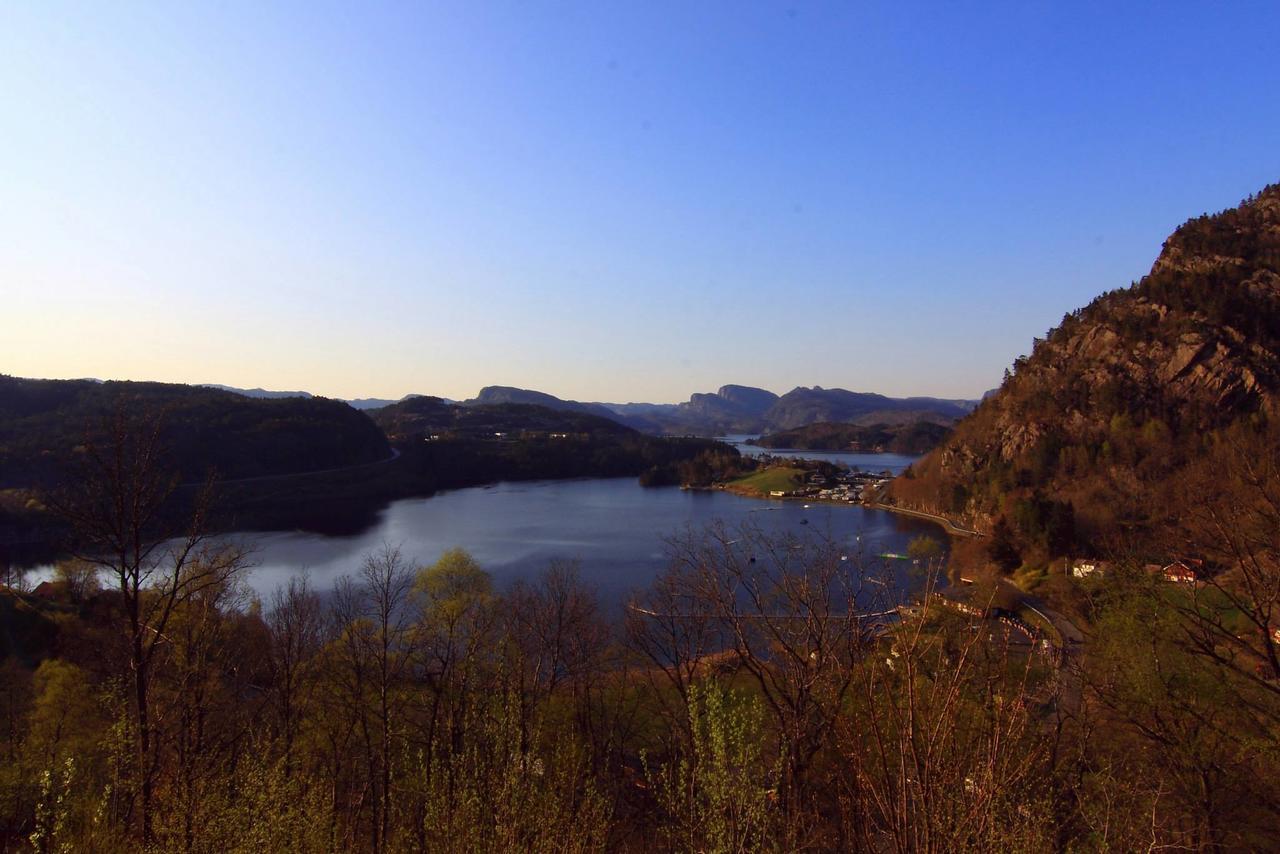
894 463
615 528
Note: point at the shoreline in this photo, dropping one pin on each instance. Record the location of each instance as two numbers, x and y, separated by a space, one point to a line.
947 524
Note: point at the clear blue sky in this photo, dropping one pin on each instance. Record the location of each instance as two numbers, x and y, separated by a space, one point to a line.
605 201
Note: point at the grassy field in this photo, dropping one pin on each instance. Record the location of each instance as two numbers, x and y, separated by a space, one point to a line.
764 482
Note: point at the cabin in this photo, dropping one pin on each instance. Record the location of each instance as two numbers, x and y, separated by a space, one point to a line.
49 590
1179 573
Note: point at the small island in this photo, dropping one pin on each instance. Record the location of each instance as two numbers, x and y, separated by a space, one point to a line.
916 437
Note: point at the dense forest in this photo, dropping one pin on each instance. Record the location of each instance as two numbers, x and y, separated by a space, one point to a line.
43 425
1096 440
760 695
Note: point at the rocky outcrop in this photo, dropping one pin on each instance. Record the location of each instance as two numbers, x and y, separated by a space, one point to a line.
1123 389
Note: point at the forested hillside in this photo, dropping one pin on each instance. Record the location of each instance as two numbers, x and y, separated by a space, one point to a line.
43 423
1104 431
911 438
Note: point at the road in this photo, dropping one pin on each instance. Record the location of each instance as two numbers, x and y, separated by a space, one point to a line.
1072 644
951 526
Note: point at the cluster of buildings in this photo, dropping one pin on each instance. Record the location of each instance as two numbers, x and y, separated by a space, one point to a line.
1179 571
848 486
502 435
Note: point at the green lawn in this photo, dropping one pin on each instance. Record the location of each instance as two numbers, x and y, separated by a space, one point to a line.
769 480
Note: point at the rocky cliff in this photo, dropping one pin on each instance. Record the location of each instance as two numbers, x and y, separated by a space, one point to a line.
1128 390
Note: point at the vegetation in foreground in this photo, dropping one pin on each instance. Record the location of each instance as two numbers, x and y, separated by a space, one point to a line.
739 705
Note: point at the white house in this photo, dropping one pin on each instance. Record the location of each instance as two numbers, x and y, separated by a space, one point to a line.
1085 567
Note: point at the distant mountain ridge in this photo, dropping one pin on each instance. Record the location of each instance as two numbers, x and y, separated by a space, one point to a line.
264 394
497 394
747 409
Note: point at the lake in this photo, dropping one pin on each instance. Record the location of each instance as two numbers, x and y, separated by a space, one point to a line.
614 527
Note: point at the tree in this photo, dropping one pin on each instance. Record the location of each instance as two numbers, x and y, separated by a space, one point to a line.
715 792
80 578
296 630
924 548
376 650
790 611
122 517
1002 548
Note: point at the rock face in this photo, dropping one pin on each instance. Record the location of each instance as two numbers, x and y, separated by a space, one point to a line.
732 409
1124 390
497 394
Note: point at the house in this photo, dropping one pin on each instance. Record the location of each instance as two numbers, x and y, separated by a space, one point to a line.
48 590
1179 572
1085 567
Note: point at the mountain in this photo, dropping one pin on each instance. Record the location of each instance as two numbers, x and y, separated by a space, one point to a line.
743 409
495 394
746 409
357 403
421 416
44 422
260 393
802 406
375 402
1098 433
732 409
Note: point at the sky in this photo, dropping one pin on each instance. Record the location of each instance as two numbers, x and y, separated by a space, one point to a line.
602 200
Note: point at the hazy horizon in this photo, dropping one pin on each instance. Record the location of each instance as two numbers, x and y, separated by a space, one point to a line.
619 204
472 394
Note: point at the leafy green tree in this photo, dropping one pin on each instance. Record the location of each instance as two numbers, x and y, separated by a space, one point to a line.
719 795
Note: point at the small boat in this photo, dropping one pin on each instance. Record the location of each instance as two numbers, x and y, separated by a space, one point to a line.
804 521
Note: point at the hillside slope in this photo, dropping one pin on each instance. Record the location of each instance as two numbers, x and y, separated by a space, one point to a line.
912 438
802 406
420 416
42 422
1088 434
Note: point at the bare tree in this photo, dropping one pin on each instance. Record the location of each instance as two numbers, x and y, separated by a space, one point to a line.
377 650
120 510
943 741
678 640
1232 521
296 629
791 611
